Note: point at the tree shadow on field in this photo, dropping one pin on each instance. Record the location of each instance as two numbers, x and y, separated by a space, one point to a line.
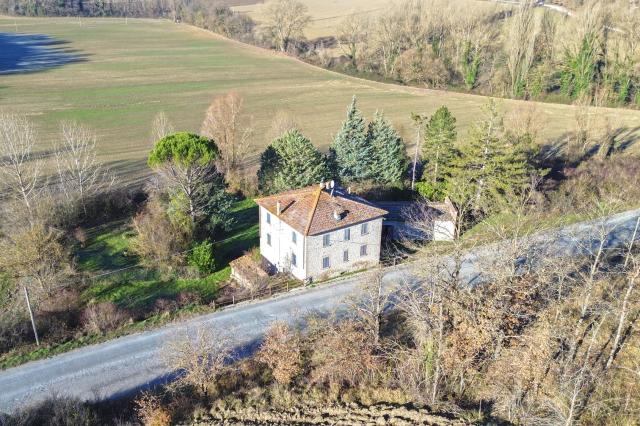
26 53
556 155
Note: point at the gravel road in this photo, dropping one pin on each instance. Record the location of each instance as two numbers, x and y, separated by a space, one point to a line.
121 366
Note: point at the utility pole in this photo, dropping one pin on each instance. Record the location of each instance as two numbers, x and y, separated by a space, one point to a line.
33 322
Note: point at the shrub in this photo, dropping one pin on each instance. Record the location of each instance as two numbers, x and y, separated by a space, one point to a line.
162 305
342 355
599 180
201 257
15 330
186 298
102 317
159 242
80 235
151 412
54 412
431 191
281 352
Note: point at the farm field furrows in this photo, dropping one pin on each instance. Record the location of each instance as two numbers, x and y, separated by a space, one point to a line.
120 74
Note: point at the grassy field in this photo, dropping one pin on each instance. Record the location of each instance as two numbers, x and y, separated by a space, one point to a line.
326 15
127 71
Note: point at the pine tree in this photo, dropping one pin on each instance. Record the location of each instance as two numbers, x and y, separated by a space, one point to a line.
351 149
437 152
491 165
389 156
290 162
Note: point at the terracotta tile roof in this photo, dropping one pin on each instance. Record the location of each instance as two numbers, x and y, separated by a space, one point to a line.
311 210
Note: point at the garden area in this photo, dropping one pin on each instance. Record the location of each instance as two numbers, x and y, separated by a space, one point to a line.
117 294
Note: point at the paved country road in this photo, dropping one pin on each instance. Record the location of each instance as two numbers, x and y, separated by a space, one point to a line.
121 366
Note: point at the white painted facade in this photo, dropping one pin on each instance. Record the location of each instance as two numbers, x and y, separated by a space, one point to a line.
279 246
319 256
444 230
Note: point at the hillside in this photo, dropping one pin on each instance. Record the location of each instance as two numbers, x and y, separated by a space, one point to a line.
116 75
327 14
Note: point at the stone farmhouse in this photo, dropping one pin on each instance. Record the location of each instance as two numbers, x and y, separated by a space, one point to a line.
319 231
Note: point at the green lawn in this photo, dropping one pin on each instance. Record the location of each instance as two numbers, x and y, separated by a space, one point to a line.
140 289
107 248
118 279
131 71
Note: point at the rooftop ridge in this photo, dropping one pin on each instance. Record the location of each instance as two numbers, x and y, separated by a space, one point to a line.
288 192
316 199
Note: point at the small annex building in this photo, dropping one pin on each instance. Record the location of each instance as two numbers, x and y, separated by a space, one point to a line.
319 231
420 221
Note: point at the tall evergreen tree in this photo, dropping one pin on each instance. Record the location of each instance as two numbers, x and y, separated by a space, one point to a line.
437 152
290 162
351 151
491 165
267 171
389 156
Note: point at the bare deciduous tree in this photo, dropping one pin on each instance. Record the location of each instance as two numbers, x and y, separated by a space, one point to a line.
352 32
36 258
282 122
222 123
160 127
81 175
18 167
199 355
285 20
520 45
342 354
281 352
371 302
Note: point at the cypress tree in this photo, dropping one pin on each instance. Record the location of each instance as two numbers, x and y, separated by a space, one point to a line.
351 150
389 156
438 151
290 162
267 171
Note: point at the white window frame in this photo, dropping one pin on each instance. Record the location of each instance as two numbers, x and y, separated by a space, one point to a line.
345 256
294 260
268 218
347 234
326 240
363 250
364 228
294 237
269 239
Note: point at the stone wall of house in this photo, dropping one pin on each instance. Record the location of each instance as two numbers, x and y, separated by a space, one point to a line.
316 251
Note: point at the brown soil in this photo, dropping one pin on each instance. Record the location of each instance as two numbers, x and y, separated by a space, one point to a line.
351 414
